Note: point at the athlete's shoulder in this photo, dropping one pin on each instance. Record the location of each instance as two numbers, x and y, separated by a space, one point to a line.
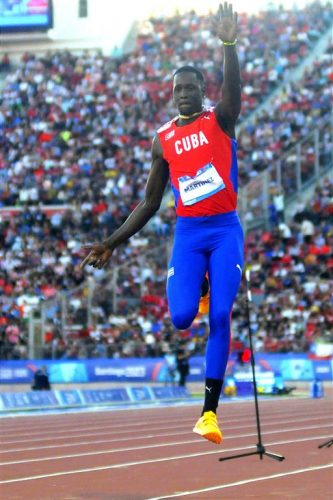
168 125
208 115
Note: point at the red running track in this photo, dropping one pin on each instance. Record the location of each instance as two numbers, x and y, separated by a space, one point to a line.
142 454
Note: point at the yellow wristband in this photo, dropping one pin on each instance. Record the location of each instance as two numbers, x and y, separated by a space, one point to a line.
230 43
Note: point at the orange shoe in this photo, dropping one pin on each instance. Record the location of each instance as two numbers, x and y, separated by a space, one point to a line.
204 299
208 427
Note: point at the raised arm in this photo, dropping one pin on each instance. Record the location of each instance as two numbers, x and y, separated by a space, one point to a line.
100 253
228 108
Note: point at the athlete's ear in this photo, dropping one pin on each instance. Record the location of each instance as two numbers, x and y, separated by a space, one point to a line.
203 89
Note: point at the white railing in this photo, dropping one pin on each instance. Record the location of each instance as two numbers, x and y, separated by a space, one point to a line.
304 164
72 311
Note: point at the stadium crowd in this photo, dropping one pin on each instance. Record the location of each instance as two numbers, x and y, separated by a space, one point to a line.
292 274
76 134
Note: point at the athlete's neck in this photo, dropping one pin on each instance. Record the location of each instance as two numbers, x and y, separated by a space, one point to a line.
188 117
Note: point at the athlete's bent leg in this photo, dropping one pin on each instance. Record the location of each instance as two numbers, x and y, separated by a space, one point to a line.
185 275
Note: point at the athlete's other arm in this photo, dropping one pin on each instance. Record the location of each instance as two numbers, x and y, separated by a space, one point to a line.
100 253
228 108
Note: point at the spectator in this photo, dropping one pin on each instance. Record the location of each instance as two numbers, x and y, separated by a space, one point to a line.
41 380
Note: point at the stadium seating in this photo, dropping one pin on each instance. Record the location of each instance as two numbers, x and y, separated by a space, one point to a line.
75 152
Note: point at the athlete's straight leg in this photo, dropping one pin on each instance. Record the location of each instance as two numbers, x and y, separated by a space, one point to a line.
225 273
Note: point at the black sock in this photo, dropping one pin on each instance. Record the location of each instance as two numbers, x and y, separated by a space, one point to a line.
213 389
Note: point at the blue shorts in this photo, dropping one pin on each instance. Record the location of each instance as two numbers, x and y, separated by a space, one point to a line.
214 244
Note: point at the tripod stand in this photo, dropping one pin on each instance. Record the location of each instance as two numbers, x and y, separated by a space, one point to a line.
261 450
327 444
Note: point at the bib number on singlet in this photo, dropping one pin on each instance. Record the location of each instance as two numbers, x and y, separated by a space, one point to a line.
203 184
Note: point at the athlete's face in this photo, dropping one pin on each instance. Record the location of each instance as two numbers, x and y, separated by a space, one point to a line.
188 93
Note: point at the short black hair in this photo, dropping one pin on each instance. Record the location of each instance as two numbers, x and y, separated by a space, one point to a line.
191 69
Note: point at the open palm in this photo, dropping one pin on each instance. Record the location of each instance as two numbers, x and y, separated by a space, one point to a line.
225 23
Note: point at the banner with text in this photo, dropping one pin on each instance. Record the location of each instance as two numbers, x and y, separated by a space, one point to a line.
294 367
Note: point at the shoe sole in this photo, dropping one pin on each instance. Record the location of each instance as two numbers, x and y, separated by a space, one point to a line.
213 437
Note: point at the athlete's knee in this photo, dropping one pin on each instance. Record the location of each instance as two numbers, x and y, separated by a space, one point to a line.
183 319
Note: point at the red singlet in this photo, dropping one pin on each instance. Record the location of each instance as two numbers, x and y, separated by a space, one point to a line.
203 166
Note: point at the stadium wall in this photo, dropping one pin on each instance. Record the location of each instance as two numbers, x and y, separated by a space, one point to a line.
292 367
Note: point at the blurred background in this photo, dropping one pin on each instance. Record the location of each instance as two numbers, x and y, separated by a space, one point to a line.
84 86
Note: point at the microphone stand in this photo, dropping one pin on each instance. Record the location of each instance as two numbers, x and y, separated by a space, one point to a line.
260 450
327 444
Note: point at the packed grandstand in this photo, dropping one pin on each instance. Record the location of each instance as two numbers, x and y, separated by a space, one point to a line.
76 132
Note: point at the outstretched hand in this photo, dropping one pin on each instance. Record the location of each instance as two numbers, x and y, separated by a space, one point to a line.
98 255
225 23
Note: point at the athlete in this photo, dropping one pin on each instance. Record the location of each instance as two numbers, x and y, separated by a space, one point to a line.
197 151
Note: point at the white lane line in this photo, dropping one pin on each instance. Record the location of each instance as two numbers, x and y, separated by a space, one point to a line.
109 431
301 402
154 460
176 426
45 426
110 426
241 483
152 436
151 446
84 443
